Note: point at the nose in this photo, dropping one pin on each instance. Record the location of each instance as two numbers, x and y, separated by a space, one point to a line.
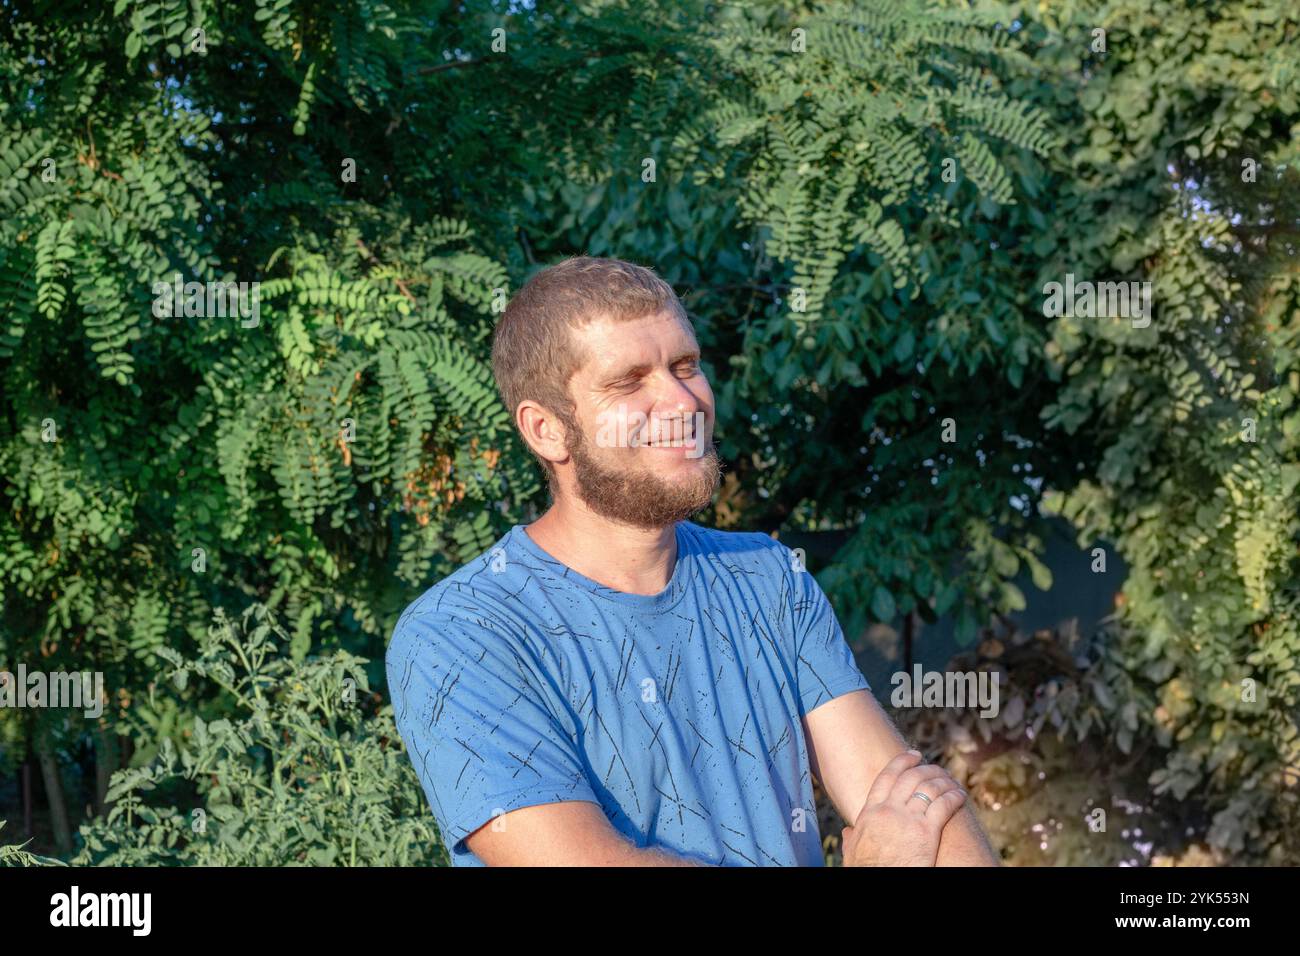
677 396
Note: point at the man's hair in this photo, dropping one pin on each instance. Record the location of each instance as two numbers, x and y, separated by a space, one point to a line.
534 354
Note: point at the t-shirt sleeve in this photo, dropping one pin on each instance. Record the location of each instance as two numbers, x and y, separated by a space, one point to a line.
824 664
482 736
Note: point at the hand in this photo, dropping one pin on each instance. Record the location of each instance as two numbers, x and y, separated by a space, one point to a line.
895 828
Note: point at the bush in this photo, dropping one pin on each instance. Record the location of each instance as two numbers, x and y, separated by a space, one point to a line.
1053 756
15 855
309 770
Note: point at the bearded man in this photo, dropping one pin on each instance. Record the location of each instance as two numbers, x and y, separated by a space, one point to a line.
616 685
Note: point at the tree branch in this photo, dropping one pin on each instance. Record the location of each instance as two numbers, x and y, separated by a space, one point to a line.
370 257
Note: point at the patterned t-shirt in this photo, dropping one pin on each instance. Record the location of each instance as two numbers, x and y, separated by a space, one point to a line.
517 681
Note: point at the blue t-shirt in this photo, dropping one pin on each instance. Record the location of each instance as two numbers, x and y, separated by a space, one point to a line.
517 681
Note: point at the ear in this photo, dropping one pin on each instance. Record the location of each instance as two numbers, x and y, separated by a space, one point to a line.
542 430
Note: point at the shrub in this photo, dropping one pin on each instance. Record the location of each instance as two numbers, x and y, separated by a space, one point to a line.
309 770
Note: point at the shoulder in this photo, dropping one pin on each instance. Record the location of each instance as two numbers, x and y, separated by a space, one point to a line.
458 613
750 551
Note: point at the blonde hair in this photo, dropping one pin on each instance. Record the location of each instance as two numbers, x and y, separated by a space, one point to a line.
533 353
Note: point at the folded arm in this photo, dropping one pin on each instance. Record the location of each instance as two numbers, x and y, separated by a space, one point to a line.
571 833
850 739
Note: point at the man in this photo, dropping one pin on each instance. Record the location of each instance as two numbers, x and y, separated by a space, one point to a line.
614 685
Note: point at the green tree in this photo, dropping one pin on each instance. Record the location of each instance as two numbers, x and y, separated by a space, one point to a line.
861 207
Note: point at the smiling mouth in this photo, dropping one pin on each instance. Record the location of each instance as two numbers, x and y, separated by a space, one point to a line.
687 441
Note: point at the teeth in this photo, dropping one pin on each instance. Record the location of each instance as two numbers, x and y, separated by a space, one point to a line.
671 442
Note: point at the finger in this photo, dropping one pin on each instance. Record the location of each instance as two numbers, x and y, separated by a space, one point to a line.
884 782
946 806
910 781
933 788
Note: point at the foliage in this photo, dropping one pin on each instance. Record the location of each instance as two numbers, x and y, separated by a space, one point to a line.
325 456
884 162
1041 769
307 770
860 207
1197 418
1175 444
15 855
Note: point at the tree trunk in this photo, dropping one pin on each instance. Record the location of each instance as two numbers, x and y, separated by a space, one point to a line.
909 634
27 797
54 796
105 763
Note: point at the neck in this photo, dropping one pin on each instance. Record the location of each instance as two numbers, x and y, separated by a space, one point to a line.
619 556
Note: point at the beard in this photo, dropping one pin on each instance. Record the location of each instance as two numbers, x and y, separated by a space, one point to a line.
639 496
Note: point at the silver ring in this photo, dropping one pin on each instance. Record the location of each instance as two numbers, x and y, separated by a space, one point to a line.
922 796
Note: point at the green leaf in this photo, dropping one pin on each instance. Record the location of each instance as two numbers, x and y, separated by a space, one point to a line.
678 212
967 626
1041 573
904 345
1005 561
994 330
882 604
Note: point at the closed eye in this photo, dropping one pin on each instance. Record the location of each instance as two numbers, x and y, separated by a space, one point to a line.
684 368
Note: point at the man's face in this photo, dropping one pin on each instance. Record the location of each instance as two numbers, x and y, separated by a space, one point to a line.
642 438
